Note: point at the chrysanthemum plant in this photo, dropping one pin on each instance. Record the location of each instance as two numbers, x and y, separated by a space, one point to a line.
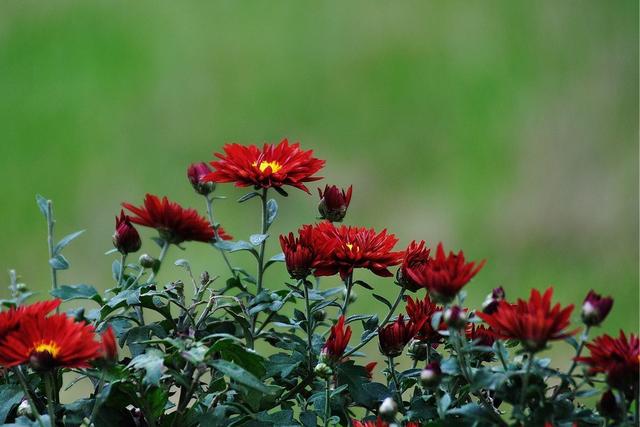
231 348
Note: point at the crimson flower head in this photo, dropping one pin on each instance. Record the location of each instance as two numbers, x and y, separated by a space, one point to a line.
108 346
10 320
425 309
444 275
378 422
50 342
532 322
344 248
299 252
416 257
334 203
618 358
174 223
479 334
337 342
394 336
273 166
126 238
595 308
195 173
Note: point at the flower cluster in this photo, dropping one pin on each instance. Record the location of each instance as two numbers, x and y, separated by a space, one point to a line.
247 350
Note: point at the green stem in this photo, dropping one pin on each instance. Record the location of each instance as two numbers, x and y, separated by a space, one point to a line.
348 283
123 260
327 404
217 236
49 389
525 382
163 254
50 241
382 324
27 393
394 377
574 364
260 267
96 404
310 324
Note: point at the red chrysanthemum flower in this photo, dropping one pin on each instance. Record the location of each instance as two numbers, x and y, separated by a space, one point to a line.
379 422
337 342
420 310
444 275
49 342
618 358
108 346
334 203
174 223
126 238
532 322
273 166
394 336
415 257
344 248
10 319
479 334
300 253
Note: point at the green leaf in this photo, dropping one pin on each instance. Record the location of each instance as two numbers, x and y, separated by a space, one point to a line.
152 362
183 263
43 205
382 300
248 196
65 241
572 342
242 376
240 245
59 262
443 404
10 395
276 258
243 357
272 211
257 239
80 291
472 410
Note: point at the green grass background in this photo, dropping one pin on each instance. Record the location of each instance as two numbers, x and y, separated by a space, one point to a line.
507 129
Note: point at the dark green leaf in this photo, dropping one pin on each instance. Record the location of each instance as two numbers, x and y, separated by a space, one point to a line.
248 196
382 300
443 404
59 262
65 241
10 395
80 291
272 211
242 376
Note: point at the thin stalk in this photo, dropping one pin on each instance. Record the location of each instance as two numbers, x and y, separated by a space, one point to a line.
260 267
394 377
327 404
163 254
217 236
574 364
96 405
27 393
50 241
525 382
309 324
49 381
382 324
123 260
348 283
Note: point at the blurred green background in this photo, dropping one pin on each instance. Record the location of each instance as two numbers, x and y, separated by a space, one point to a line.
507 129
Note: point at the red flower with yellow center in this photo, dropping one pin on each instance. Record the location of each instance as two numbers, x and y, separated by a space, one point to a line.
444 275
378 422
10 319
50 342
425 309
273 166
394 336
532 322
337 342
342 249
618 358
174 223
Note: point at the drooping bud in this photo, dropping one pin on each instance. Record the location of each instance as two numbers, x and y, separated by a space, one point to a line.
126 238
195 173
147 261
334 203
595 308
322 370
455 317
388 408
490 304
608 405
431 375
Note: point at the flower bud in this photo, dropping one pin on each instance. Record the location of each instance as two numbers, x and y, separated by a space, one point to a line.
334 203
147 261
322 370
388 408
595 308
353 296
319 315
126 238
195 173
431 375
455 317
490 304
24 410
204 278
608 405
419 350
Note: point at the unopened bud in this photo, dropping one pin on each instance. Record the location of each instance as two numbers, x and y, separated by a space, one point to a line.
430 376
319 315
353 296
388 408
334 203
147 261
196 172
419 350
595 308
455 317
126 238
608 405
322 370
204 278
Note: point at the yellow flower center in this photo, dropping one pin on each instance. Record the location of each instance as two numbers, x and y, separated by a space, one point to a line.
351 247
275 166
50 347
